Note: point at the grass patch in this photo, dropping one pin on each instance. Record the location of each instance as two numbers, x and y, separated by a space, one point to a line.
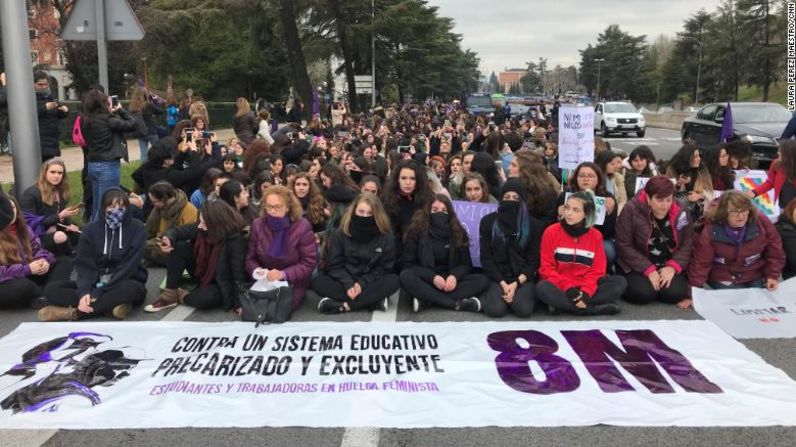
76 185
777 92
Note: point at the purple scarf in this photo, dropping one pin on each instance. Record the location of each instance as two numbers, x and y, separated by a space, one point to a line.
737 236
279 227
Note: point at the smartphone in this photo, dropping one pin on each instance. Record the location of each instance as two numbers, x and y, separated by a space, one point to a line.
189 133
114 101
403 149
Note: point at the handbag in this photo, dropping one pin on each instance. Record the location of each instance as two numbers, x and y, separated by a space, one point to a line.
273 306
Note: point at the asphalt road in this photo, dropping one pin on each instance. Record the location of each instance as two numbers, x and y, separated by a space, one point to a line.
664 143
777 352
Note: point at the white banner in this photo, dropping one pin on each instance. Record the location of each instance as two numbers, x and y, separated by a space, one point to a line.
159 374
750 313
575 136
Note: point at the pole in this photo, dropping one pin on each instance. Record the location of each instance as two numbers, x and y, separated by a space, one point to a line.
599 68
373 53
102 45
21 98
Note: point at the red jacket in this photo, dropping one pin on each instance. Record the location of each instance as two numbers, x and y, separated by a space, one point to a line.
776 179
717 259
568 261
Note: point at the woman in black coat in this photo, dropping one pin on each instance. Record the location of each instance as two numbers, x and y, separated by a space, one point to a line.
48 199
510 244
357 274
786 226
213 251
437 268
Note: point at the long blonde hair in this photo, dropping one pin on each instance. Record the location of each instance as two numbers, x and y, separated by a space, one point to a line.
138 101
243 107
382 220
49 193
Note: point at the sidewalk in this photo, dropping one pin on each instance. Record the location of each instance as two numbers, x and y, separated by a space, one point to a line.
73 156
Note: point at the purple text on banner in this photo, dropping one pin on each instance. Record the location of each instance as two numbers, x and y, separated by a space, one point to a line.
470 214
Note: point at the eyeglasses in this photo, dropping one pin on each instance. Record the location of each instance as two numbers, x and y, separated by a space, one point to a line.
587 176
279 207
738 212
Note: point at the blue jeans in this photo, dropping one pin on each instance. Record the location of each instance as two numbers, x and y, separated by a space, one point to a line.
103 176
143 145
610 253
758 283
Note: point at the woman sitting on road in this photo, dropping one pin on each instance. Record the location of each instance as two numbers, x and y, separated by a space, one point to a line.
110 277
692 179
281 244
654 238
509 239
48 199
475 189
739 247
786 226
234 194
170 208
611 164
313 205
717 162
640 163
781 176
25 267
572 270
437 269
212 251
541 187
358 270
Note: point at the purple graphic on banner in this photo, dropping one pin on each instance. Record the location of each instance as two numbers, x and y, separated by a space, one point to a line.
470 214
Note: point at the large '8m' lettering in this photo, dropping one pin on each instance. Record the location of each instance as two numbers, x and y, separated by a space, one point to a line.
640 351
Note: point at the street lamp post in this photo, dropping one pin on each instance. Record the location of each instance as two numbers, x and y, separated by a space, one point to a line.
699 68
599 69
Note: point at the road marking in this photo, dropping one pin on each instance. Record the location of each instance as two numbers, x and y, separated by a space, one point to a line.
27 438
179 313
369 436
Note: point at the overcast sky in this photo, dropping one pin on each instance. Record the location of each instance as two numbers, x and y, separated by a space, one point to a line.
508 33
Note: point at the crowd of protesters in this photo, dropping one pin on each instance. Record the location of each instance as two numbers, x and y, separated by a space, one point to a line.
359 207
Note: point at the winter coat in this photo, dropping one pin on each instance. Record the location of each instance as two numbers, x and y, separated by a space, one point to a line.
418 256
568 261
22 270
230 271
32 203
503 260
302 254
717 259
49 126
634 228
620 191
245 127
156 225
776 179
787 231
150 114
349 261
104 134
102 251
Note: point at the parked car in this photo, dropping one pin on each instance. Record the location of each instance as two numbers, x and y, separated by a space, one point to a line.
759 123
618 117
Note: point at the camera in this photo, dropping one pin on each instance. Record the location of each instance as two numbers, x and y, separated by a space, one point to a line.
207 134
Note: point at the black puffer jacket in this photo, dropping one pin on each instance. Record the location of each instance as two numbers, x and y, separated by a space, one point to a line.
349 261
787 231
49 127
418 255
503 260
32 203
104 134
245 127
230 271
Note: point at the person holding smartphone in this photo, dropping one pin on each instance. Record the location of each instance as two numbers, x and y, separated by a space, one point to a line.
48 202
104 126
50 112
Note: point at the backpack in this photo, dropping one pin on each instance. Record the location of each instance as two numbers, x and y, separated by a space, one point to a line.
77 133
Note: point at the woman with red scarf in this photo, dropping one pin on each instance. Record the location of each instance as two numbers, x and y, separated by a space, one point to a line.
213 252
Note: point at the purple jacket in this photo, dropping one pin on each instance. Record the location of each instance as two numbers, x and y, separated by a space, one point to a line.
22 270
302 254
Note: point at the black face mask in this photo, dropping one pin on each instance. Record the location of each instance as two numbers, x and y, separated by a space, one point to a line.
576 230
440 226
507 213
363 229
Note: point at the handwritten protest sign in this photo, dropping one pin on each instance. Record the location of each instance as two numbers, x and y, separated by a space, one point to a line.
470 214
575 136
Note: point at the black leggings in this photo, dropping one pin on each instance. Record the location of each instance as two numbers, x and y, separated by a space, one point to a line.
470 285
640 291
376 291
128 291
609 289
181 259
524 299
20 292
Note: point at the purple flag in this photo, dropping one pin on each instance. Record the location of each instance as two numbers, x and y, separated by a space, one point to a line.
726 126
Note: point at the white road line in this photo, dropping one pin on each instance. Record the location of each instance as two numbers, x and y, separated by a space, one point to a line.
369 436
179 313
26 438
